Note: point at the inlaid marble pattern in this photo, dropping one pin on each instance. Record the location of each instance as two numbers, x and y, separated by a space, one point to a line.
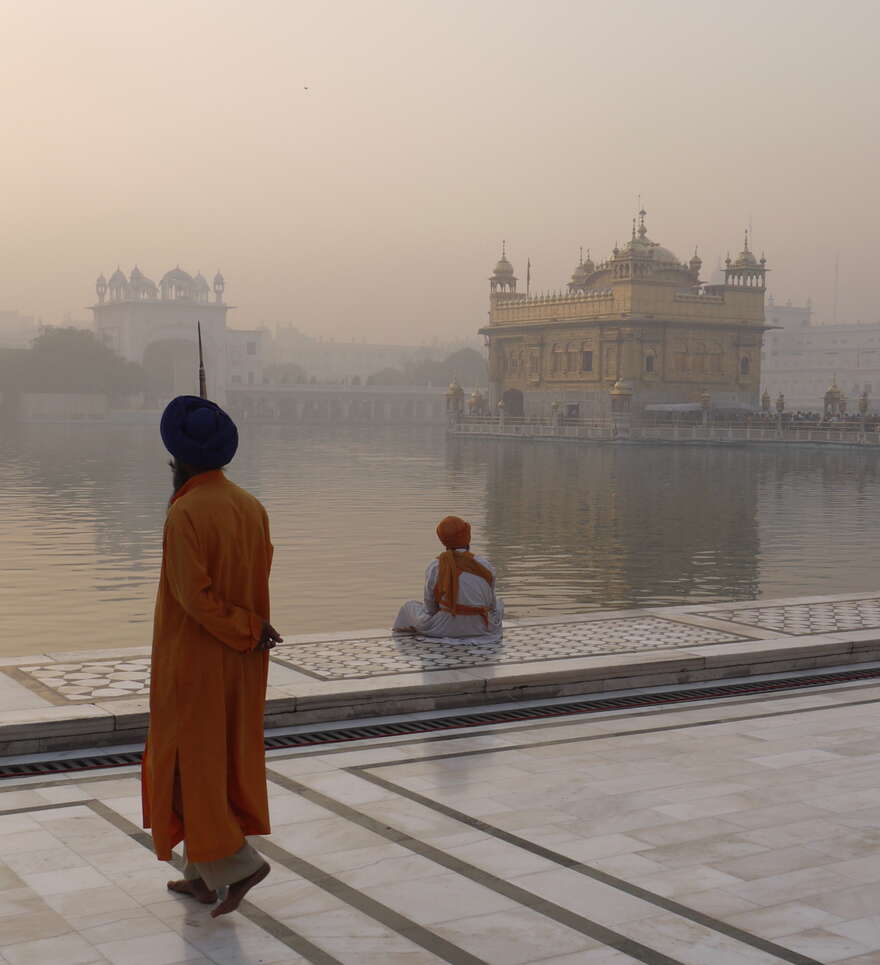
378 656
73 681
91 679
801 619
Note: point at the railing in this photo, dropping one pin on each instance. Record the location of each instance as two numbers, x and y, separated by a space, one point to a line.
623 430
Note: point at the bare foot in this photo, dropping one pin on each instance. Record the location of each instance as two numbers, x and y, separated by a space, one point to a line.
195 888
236 892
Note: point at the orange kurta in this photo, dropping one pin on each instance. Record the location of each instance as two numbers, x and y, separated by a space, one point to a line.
208 686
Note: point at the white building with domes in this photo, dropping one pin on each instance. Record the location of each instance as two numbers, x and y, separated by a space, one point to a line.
155 326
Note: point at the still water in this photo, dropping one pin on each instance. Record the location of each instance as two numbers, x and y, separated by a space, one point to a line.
353 512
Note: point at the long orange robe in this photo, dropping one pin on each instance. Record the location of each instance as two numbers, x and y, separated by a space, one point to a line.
208 687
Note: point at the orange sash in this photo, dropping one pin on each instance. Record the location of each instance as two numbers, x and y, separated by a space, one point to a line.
452 564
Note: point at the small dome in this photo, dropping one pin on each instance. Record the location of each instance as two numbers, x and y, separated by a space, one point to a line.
177 276
136 275
745 259
504 267
201 283
218 279
118 278
579 274
101 280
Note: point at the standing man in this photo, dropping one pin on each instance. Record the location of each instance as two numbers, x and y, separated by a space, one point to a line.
204 772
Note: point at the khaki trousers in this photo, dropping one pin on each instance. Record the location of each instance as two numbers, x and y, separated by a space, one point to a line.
224 871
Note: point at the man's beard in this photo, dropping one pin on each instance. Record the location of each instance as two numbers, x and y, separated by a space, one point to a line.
180 476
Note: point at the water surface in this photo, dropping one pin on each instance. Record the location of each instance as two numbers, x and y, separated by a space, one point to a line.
570 528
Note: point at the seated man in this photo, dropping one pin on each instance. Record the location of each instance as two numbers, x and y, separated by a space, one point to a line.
460 601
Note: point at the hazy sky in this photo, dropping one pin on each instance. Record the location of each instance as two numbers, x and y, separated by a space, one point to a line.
373 204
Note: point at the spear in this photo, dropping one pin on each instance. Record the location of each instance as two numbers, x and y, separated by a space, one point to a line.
203 388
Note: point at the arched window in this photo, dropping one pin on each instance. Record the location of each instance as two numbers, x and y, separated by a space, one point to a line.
649 363
744 366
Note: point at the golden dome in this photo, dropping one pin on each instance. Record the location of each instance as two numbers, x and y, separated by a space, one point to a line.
503 267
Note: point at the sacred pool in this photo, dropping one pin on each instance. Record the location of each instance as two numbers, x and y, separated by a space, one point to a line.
570 528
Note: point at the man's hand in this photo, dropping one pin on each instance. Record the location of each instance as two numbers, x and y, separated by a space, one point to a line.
269 637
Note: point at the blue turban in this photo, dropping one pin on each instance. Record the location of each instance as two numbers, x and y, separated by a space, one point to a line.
198 433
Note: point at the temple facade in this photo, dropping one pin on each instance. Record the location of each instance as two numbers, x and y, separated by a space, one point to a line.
155 326
639 329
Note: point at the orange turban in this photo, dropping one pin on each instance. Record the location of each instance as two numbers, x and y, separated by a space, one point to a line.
454 532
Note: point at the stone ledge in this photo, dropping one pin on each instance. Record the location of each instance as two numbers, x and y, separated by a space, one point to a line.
91 725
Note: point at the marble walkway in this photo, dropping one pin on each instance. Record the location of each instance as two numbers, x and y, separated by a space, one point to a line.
53 700
731 832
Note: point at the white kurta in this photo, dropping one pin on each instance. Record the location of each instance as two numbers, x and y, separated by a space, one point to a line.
429 620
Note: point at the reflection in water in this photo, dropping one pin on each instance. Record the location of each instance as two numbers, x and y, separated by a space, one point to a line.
569 528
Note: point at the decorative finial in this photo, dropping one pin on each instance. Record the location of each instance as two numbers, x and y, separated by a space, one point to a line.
746 242
503 249
642 229
634 229
581 256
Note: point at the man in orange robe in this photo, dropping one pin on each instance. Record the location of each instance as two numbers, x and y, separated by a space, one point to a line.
204 774
459 602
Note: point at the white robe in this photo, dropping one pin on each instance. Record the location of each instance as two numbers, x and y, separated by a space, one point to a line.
430 621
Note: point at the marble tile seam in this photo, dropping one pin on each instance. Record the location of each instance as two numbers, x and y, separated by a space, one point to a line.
518 893
484 879
296 942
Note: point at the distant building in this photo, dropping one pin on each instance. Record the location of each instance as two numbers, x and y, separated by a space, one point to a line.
641 324
17 330
330 360
155 326
802 359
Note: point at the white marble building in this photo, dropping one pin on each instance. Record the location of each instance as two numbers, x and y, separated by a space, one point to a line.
801 359
155 326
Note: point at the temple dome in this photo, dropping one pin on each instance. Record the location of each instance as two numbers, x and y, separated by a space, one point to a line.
503 267
641 246
745 259
118 278
177 276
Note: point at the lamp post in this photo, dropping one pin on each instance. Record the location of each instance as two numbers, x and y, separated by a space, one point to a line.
863 408
501 414
454 402
780 408
705 402
621 407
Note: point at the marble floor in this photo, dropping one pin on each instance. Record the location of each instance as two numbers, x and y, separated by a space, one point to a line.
735 831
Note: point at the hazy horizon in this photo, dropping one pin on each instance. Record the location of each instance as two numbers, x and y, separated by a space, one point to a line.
374 203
